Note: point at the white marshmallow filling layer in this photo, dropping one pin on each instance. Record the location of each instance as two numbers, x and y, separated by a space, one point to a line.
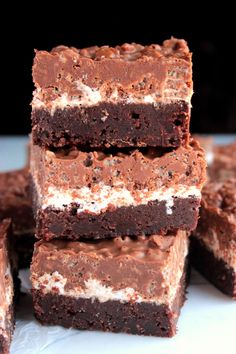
98 201
89 96
95 289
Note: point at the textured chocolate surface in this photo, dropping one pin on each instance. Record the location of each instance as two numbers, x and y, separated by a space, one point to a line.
221 196
15 200
144 264
135 169
103 90
5 343
6 286
86 194
109 124
135 285
5 339
216 234
214 269
57 71
223 165
133 221
218 214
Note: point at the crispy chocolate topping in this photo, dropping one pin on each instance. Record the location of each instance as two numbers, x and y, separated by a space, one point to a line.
136 169
130 52
142 248
106 73
221 195
140 264
223 166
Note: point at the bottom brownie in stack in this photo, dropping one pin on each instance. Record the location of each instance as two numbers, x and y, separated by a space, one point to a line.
213 244
133 285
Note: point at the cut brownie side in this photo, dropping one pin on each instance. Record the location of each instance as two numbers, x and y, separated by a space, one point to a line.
125 96
143 219
7 273
16 203
214 241
121 285
15 200
87 194
215 269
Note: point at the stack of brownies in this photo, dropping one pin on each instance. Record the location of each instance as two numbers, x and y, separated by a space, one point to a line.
117 185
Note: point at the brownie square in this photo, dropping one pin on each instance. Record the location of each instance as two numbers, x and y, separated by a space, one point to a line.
129 95
213 245
80 194
132 285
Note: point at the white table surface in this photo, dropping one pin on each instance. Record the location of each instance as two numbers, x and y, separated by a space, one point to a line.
207 323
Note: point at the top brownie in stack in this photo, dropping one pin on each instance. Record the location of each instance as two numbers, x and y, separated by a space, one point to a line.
129 95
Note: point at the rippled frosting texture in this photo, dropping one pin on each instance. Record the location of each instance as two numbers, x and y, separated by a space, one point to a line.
223 165
118 263
136 169
221 196
217 223
123 71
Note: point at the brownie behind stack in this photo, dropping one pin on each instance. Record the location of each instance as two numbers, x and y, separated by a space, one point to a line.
213 243
117 186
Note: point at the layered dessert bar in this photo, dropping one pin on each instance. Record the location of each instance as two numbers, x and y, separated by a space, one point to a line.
107 194
129 95
16 203
133 285
213 244
7 268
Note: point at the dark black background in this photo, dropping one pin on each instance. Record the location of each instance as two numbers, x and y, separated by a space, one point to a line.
211 37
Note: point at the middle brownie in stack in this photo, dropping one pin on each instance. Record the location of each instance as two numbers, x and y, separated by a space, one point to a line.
111 157
87 194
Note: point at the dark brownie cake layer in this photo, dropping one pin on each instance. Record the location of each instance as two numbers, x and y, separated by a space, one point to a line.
135 318
214 269
109 124
131 221
116 92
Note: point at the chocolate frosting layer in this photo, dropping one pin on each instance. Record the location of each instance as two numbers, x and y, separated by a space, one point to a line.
148 265
126 69
142 248
135 169
217 224
224 162
221 196
133 51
